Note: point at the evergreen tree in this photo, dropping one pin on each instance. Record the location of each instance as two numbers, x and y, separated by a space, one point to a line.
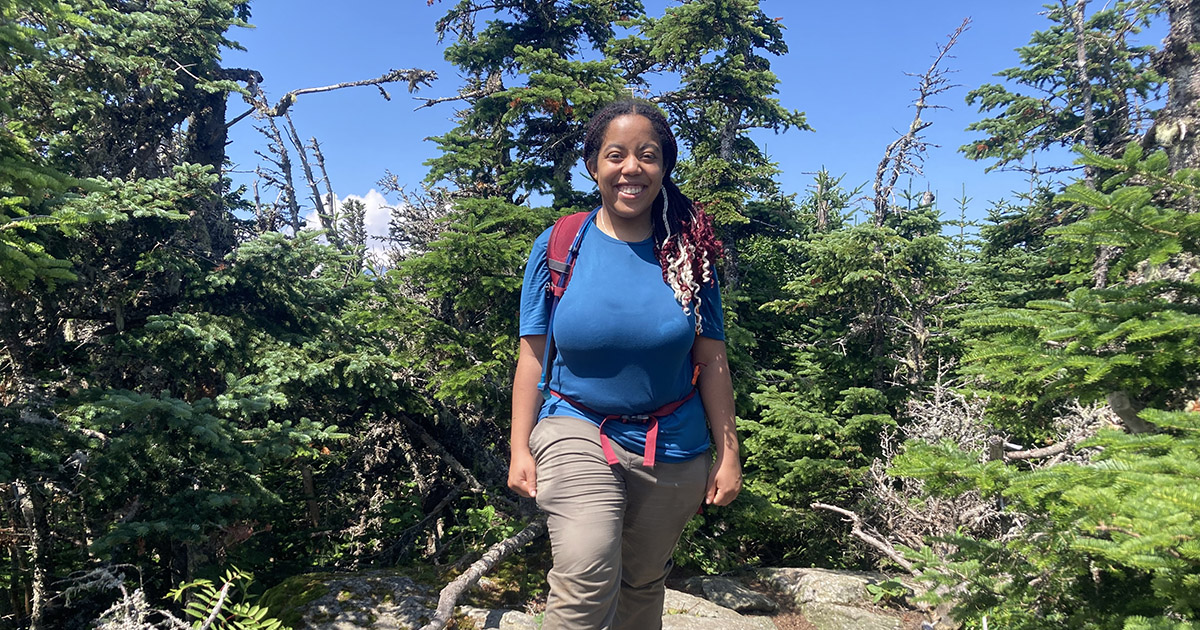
1080 81
1109 543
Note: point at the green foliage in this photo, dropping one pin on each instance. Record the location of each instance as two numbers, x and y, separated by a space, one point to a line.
211 606
511 142
1110 543
1049 108
889 591
463 334
1133 335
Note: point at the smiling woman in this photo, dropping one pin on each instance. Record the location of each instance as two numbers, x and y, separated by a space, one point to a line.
615 450
629 173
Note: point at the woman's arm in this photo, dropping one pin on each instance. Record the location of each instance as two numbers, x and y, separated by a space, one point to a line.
526 400
716 390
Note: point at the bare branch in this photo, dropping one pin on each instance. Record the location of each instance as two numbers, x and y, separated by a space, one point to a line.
857 530
217 606
29 418
454 590
1038 453
904 154
415 78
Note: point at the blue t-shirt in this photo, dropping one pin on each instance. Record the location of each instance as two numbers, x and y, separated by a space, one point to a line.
624 344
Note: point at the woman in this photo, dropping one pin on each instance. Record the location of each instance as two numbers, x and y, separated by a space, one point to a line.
641 316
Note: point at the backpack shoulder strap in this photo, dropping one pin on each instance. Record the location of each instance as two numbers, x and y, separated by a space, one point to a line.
565 238
564 244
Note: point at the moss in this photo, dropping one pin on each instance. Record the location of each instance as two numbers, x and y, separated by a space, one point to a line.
287 599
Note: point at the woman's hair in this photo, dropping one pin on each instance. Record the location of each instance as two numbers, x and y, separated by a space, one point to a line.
684 241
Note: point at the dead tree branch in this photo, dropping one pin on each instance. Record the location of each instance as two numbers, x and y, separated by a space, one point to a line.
903 155
443 454
414 77
454 590
1039 453
29 418
857 530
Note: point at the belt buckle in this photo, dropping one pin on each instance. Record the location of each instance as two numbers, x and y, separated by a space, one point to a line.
637 417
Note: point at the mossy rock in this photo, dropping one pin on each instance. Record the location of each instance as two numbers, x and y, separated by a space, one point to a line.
350 601
287 600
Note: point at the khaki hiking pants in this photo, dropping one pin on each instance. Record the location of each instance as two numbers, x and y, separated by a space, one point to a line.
612 528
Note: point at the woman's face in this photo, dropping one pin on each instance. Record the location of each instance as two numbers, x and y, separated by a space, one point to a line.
629 167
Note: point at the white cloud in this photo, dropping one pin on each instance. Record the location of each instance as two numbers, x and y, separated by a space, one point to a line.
376 220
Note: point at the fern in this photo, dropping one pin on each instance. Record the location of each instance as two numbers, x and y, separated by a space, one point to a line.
211 606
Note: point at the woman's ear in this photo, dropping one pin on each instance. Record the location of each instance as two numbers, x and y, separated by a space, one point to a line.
591 169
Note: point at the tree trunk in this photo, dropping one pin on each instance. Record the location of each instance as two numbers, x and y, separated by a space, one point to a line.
1084 81
206 139
1178 124
20 598
310 495
32 506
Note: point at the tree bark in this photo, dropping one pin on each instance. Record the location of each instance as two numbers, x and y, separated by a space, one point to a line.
1177 125
32 506
454 590
1084 81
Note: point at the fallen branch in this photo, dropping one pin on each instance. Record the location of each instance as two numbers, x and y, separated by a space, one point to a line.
882 545
450 595
443 454
30 418
406 537
1048 451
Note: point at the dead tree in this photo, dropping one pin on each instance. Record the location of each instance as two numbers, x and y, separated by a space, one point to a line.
905 154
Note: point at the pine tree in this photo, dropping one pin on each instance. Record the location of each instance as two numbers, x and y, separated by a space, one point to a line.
1080 82
1108 540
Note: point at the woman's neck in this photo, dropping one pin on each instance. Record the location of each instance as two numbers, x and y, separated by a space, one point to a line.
629 230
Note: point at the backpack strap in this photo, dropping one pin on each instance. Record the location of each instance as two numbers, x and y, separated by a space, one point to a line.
565 238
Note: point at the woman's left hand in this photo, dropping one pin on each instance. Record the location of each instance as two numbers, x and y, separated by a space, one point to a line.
724 482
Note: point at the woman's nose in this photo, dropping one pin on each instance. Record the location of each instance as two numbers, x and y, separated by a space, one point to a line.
631 165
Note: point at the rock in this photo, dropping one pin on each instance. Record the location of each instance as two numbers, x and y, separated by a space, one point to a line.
730 594
372 599
682 611
836 587
379 599
848 588
834 600
825 616
486 619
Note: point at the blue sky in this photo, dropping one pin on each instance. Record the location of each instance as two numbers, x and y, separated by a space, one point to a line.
846 69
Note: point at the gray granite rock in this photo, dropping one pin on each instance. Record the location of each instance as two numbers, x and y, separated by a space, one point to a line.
731 594
366 600
486 619
682 611
826 616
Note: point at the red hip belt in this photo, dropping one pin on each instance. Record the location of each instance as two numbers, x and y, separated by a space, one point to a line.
641 418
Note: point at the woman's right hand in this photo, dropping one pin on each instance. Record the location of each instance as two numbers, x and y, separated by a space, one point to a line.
522 475
526 401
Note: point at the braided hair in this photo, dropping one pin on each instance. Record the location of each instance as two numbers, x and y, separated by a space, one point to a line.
684 241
